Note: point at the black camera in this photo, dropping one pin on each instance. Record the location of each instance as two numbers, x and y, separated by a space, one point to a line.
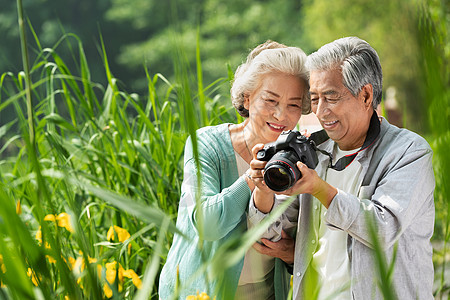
282 155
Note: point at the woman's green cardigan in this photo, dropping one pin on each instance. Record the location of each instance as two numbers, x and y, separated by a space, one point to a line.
224 198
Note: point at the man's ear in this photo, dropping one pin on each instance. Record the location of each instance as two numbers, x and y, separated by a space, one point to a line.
366 95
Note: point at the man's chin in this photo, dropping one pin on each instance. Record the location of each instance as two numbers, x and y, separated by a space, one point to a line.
332 135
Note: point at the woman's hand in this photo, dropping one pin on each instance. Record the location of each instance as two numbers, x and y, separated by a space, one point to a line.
263 197
257 168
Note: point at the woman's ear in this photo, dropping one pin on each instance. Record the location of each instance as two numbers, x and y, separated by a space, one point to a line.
246 101
367 95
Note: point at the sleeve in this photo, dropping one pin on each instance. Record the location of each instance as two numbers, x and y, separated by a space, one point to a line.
401 198
219 210
287 221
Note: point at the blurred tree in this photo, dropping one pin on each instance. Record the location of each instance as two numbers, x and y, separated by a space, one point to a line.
9 35
391 28
50 19
140 32
227 30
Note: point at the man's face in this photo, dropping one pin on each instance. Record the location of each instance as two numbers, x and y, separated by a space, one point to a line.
344 117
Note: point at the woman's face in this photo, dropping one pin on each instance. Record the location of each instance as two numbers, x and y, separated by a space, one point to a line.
274 106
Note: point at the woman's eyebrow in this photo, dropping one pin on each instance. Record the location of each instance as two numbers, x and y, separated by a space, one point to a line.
278 96
272 93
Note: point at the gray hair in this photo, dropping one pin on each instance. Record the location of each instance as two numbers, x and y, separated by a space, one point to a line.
359 63
267 58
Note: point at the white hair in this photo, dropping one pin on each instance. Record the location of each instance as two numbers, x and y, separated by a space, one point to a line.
268 58
358 61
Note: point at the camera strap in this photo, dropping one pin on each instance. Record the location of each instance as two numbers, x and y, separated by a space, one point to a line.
372 133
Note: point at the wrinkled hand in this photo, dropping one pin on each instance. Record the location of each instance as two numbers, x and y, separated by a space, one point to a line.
263 197
257 168
283 249
311 183
307 184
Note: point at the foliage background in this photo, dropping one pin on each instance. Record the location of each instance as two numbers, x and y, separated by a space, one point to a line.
110 133
135 33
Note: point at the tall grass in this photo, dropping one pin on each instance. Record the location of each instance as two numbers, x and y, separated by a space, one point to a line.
82 161
106 158
103 157
435 59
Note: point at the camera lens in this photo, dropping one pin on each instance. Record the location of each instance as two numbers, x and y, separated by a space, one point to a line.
281 172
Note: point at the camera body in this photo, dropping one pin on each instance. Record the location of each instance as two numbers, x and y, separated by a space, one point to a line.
281 171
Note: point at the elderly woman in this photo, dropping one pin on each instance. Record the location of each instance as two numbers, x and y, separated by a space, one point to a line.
270 90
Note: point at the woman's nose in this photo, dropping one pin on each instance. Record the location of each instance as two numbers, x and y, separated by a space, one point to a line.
279 113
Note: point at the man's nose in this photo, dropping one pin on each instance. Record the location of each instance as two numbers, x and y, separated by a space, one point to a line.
322 108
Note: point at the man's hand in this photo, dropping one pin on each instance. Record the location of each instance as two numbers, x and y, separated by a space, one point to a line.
283 249
311 183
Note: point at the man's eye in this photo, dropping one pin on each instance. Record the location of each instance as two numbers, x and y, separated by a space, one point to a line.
332 100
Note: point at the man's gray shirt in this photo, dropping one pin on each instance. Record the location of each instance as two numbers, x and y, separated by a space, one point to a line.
396 192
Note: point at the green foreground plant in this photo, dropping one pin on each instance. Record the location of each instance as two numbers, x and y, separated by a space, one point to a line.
90 175
90 161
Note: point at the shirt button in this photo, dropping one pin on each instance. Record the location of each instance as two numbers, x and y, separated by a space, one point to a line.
316 207
298 274
313 242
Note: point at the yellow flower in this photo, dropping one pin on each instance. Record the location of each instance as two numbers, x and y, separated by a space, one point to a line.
136 280
111 271
99 271
51 259
49 218
3 268
39 238
202 296
18 207
107 290
78 265
39 235
31 274
63 220
122 234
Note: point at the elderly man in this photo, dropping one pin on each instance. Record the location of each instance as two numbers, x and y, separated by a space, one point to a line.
369 172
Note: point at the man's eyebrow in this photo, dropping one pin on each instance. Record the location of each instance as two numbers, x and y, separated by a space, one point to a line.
329 92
